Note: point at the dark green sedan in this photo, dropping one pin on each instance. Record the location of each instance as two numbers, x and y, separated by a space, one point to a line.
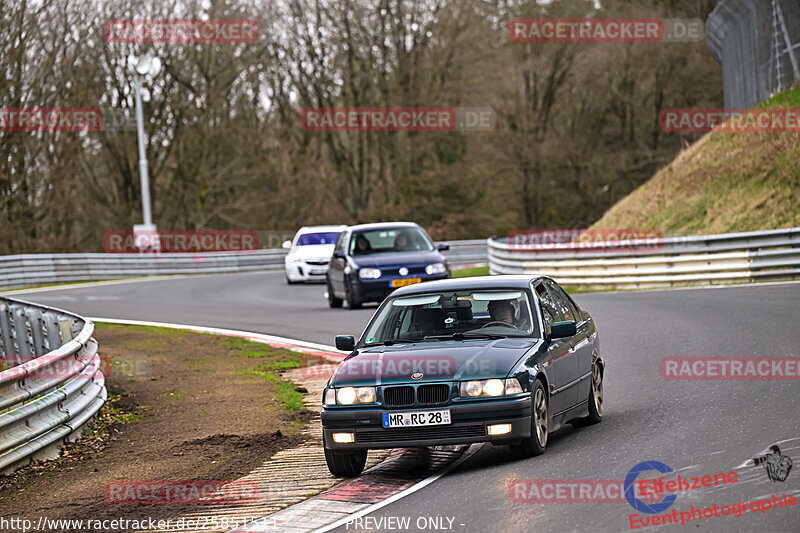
500 359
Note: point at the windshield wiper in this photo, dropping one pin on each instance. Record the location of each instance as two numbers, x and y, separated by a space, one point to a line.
389 342
467 335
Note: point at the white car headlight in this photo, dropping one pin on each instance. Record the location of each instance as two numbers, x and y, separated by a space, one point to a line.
435 268
369 273
292 258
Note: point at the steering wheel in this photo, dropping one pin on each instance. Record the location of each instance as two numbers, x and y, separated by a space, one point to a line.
498 323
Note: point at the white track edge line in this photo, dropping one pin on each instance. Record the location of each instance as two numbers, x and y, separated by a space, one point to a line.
221 331
410 490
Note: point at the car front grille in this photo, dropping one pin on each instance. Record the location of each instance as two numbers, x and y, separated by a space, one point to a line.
424 433
318 262
398 396
433 394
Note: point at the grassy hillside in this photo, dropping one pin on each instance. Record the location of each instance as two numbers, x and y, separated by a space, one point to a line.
726 182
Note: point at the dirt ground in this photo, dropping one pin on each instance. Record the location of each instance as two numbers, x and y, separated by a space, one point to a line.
183 406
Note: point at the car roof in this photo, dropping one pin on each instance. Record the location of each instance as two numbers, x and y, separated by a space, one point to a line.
384 225
469 283
314 229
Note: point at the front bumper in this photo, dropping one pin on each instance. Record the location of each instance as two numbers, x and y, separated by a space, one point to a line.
377 290
302 271
469 425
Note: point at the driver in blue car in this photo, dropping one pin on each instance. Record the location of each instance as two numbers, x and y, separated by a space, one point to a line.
502 311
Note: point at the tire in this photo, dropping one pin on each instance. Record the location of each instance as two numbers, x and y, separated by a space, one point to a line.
333 301
540 424
352 302
345 464
595 400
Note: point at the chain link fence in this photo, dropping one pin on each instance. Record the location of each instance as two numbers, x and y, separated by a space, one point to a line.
757 42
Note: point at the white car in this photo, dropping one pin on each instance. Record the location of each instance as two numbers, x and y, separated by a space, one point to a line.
310 252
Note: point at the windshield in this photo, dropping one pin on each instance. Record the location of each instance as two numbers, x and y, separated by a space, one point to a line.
444 315
390 240
309 239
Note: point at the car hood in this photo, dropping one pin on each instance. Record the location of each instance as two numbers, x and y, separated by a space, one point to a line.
448 360
313 251
387 259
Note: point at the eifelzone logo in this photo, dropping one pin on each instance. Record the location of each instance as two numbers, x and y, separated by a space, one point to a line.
775 463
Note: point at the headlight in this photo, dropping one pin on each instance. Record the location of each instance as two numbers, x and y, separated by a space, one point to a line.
489 387
351 395
330 397
369 273
435 268
493 387
292 258
471 389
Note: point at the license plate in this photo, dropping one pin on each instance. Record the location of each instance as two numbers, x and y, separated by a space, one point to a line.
404 282
416 419
315 271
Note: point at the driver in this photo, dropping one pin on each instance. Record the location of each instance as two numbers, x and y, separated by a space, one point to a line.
502 311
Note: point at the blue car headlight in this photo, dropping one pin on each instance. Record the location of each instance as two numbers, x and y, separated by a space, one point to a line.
369 273
435 268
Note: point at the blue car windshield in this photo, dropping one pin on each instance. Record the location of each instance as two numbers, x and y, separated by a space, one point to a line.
310 239
453 314
390 240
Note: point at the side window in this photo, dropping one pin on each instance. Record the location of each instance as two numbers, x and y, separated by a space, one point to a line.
563 303
550 312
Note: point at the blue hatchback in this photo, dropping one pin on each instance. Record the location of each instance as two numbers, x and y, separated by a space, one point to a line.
371 260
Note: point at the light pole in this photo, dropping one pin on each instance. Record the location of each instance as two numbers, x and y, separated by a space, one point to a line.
143 66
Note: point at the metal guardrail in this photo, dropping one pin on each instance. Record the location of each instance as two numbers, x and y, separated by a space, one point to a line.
51 384
681 261
17 271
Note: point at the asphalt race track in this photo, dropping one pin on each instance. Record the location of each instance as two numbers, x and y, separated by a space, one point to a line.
696 427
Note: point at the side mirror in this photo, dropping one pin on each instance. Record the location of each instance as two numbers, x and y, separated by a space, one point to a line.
286 244
443 247
345 343
338 254
560 330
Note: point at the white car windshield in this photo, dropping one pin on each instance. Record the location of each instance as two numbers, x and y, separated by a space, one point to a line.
312 239
453 314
